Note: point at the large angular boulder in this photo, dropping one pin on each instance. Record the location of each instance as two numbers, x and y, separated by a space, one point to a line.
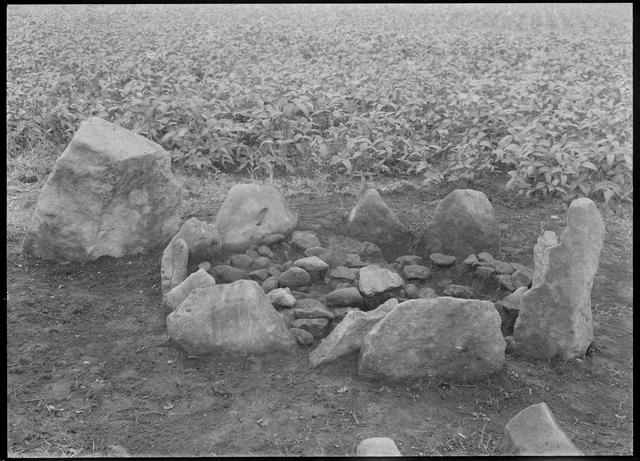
464 223
449 338
111 193
555 318
535 432
372 220
235 317
251 214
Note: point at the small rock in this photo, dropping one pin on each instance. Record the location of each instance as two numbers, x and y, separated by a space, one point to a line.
281 297
521 278
471 260
303 337
458 291
303 240
311 309
294 277
442 260
426 293
346 273
265 251
251 252
205 266
259 275
411 291
503 268
228 274
484 272
485 257
505 282
342 297
198 279
275 271
442 284
408 259
353 260
415 271
272 239
509 308
311 264
314 251
261 262
375 280
510 346
270 283
377 446
241 261
340 312
117 451
317 327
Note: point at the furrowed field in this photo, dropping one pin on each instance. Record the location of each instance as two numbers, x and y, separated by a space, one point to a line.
531 104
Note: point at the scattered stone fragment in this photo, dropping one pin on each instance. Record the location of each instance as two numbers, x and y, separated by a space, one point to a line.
228 274
415 271
317 327
426 293
259 275
408 259
343 297
241 261
252 213
294 277
199 279
503 268
375 280
484 272
205 265
234 317
303 337
471 260
265 251
506 282
346 273
173 270
281 297
411 291
111 193
377 446
444 337
442 260
509 308
270 283
311 264
372 220
303 240
555 317
458 291
535 432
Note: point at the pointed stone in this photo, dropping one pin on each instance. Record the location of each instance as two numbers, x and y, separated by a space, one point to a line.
199 279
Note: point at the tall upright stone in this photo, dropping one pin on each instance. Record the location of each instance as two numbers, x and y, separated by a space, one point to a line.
555 317
111 193
464 223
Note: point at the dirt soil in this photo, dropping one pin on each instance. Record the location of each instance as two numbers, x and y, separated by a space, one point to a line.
90 365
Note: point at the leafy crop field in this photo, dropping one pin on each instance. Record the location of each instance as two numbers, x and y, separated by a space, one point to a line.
438 92
321 102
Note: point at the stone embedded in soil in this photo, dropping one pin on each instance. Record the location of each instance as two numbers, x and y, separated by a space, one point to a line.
273 270
408 259
353 260
241 261
259 275
411 291
202 238
294 277
375 280
317 327
555 318
471 260
344 297
111 193
227 274
269 284
346 273
443 337
303 337
199 279
173 270
372 220
444 283
509 308
416 271
264 250
310 308
281 297
302 240
252 213
377 446
442 260
426 293
484 272
311 264
485 257
503 268
535 432
234 317
314 251
464 223
458 291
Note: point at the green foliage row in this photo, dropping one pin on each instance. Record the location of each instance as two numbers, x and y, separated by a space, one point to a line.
542 92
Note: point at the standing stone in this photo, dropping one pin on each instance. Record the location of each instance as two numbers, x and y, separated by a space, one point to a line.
201 238
234 317
111 193
375 280
377 446
464 223
555 318
250 214
199 279
372 220
442 337
173 270
546 240
535 432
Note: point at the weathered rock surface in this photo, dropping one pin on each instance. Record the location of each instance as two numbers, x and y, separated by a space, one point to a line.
281 297
458 291
294 277
509 308
235 317
344 297
416 271
199 279
251 214
311 264
408 259
546 240
111 193
445 337
228 274
317 327
303 240
241 261
372 220
375 280
270 283
535 432
555 318
310 308
442 260
377 446
464 223
173 269
303 337
427 293
346 273
201 238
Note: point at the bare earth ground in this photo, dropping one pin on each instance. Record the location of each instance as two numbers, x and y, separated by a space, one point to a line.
89 363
